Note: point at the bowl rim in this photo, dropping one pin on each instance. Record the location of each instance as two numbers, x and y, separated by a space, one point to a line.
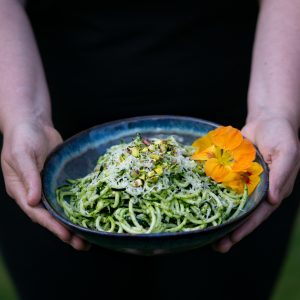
67 222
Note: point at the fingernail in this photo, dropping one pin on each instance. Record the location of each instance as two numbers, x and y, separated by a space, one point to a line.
223 246
30 199
80 244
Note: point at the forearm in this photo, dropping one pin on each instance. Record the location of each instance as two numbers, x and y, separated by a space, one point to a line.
275 76
23 89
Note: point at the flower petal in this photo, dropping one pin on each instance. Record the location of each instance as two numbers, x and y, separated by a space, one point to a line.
227 137
231 176
216 170
235 181
236 185
243 155
253 182
255 169
202 143
205 154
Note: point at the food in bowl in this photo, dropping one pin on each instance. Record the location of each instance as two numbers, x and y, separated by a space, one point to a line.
159 185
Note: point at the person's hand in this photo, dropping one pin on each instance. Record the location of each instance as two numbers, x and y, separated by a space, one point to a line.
25 148
277 140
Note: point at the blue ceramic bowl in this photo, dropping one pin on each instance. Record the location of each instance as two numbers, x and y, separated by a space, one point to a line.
78 155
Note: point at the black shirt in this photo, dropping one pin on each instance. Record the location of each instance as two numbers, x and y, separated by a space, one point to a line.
146 57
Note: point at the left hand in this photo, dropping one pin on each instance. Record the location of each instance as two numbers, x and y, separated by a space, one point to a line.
25 148
277 140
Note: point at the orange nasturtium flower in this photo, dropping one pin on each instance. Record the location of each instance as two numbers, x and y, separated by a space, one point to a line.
228 158
237 181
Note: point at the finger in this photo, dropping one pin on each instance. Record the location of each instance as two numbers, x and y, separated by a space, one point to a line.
26 167
283 171
261 214
248 133
223 245
80 244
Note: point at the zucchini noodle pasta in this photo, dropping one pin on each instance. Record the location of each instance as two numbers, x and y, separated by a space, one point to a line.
148 186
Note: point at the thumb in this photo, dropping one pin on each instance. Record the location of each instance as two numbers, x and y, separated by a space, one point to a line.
249 132
27 167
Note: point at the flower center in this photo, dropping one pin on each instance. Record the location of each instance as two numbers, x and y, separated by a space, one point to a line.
224 157
246 177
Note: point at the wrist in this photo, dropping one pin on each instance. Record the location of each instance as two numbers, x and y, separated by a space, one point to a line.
19 119
263 113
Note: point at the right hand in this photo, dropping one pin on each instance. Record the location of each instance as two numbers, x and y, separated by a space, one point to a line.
25 148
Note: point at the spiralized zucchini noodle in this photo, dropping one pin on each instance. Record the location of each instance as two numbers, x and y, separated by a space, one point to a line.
148 186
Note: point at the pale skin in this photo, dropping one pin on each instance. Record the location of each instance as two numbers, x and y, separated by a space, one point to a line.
272 123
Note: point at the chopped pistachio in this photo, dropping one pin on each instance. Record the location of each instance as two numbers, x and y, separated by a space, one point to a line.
135 151
122 157
158 142
155 156
146 142
159 170
153 179
143 177
151 174
151 148
163 148
134 173
138 182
